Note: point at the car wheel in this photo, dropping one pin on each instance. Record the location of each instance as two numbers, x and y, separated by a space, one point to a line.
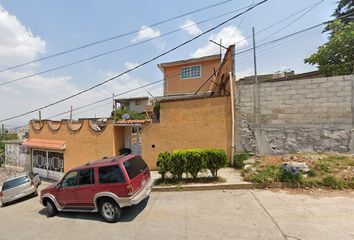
51 209
109 210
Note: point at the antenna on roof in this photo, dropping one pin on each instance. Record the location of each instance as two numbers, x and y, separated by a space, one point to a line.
219 44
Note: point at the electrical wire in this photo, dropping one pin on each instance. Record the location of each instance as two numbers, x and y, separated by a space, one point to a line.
136 67
116 95
236 54
114 37
295 20
151 39
116 50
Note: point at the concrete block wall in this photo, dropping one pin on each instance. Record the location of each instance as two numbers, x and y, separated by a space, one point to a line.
291 109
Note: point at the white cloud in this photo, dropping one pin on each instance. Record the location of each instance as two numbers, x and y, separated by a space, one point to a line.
229 35
146 33
17 43
130 65
190 27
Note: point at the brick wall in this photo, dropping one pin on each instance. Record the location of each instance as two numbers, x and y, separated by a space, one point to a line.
311 105
189 123
83 144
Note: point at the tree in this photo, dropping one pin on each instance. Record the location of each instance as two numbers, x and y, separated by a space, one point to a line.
336 57
344 10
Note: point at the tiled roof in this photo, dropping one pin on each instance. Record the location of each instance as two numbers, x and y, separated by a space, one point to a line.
132 122
45 144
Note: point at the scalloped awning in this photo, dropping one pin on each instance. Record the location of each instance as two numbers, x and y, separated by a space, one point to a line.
45 144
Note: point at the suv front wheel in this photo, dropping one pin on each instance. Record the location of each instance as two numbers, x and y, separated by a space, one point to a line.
109 210
51 209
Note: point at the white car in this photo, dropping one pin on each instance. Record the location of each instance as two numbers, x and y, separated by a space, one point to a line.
19 186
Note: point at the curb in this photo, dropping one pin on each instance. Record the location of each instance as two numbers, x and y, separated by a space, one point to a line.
175 188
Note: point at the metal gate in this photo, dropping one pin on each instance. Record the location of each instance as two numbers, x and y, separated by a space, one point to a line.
48 164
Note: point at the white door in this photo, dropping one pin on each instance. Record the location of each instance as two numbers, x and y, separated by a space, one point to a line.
135 140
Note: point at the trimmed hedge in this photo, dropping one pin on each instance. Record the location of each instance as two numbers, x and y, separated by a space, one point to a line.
215 159
191 161
163 164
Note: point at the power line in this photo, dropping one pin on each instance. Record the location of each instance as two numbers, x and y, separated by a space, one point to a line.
148 40
244 16
116 50
155 82
138 66
116 36
295 20
122 93
278 22
116 95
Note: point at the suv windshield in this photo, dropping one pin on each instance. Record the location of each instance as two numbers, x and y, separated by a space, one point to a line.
15 182
134 166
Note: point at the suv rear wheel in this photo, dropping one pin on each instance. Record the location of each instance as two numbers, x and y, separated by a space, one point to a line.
51 209
109 210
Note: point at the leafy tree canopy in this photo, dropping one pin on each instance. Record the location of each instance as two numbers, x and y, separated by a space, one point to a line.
336 57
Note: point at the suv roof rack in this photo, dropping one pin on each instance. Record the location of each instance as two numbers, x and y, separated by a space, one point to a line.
105 159
119 157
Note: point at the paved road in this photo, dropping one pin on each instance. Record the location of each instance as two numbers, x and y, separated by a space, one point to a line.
231 214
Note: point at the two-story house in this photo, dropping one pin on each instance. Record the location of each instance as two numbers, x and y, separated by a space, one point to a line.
185 77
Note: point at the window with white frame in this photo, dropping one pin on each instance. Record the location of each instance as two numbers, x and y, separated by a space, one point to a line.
191 72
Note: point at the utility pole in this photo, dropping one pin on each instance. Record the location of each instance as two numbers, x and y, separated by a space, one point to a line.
114 104
256 85
71 113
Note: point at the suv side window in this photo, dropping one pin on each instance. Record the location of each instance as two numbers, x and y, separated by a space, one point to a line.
86 176
70 179
111 174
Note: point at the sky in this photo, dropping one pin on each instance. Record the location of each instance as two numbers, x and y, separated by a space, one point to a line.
34 29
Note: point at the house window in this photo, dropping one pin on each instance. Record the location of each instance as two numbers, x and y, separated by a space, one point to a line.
191 72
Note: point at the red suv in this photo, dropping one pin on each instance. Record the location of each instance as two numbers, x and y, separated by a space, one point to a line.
105 186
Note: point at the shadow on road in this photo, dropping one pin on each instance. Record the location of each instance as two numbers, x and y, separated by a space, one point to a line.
25 198
128 213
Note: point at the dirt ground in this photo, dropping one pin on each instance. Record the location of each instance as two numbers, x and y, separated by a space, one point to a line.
8 171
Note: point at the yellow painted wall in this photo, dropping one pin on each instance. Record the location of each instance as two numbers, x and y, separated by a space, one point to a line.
175 85
84 144
197 123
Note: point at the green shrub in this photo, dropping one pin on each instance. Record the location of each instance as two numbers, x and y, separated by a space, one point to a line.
215 159
178 164
333 182
239 158
132 115
266 176
163 164
195 161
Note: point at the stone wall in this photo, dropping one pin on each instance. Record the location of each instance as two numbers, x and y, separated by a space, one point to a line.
313 114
